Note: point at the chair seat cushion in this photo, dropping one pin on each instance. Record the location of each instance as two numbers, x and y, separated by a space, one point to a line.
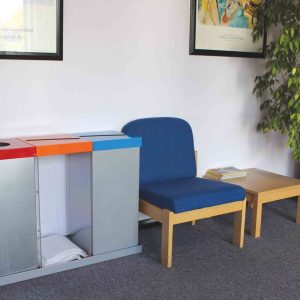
180 195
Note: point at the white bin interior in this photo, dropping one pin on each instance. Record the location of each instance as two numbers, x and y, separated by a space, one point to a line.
53 202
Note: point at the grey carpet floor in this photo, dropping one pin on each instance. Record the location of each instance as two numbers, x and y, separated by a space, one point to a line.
206 265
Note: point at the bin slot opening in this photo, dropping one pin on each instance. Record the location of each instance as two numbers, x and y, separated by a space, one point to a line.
95 135
4 144
57 139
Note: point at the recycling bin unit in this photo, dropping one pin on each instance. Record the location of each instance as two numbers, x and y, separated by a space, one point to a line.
102 200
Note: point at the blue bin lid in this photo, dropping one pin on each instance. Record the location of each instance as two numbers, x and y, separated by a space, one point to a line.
109 140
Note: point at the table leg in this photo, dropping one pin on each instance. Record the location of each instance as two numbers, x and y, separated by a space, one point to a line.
298 211
256 217
249 200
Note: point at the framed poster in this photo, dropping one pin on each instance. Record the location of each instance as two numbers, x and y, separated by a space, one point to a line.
224 28
31 29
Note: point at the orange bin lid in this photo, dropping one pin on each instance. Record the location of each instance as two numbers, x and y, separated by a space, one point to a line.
58 144
14 148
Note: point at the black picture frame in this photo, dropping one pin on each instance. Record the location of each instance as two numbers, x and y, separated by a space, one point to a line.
41 55
216 52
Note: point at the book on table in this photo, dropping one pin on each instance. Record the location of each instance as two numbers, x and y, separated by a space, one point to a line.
225 173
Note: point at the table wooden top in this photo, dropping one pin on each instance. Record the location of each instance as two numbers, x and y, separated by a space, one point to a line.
259 181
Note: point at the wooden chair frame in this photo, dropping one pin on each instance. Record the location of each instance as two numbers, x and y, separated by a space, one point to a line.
168 219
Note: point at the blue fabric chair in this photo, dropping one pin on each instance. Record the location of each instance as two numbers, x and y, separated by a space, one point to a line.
170 192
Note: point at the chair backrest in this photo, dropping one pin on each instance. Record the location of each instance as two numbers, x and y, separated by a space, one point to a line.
168 148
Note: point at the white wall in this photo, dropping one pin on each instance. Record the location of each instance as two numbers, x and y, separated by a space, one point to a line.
129 59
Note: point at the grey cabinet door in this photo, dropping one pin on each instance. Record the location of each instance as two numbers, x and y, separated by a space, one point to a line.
18 225
115 199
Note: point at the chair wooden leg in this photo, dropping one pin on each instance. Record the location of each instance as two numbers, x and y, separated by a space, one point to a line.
194 223
239 226
167 238
298 211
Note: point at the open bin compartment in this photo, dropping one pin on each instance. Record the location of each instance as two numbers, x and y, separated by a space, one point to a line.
18 218
55 245
110 178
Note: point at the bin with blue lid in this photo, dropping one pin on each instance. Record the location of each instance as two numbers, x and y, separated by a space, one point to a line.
103 199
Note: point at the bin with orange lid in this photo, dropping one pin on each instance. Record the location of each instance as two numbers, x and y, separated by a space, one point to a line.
60 144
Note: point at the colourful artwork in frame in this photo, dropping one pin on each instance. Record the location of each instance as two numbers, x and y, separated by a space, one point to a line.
224 27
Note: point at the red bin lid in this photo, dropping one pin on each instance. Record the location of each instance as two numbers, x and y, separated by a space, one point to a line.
14 148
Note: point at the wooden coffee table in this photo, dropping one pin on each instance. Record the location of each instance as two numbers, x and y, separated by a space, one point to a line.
264 187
